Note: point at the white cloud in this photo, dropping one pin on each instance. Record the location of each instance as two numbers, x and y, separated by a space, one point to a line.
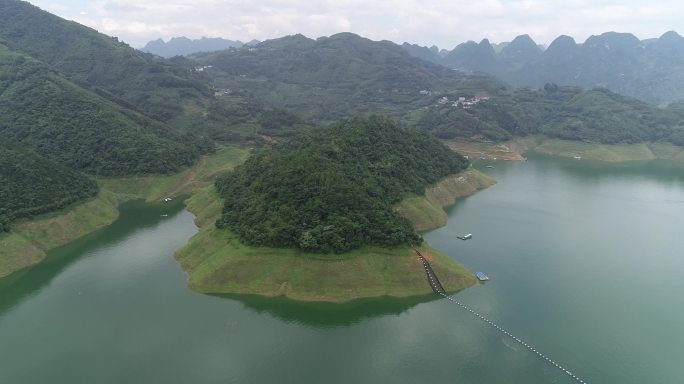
445 23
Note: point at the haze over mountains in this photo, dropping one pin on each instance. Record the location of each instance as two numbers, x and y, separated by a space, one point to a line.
651 70
178 46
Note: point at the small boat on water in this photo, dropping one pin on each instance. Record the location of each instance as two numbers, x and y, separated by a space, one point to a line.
465 237
578 157
489 166
481 276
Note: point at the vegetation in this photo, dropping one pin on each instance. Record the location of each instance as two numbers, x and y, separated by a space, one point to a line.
346 75
597 115
218 262
65 123
331 78
113 69
332 189
31 185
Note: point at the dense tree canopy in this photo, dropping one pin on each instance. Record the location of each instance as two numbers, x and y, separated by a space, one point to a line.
31 185
137 80
333 188
41 109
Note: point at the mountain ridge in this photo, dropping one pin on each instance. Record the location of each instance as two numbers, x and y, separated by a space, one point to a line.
649 69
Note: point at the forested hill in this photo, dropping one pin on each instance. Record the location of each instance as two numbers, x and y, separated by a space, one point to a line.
570 113
333 77
41 109
140 81
340 60
333 188
31 185
343 75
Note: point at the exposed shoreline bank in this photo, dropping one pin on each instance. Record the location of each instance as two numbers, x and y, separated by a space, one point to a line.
515 150
427 212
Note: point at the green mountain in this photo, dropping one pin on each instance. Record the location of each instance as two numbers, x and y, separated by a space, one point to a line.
333 188
31 185
597 115
61 121
137 80
344 75
332 77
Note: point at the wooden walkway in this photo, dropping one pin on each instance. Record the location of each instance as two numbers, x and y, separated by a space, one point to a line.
439 289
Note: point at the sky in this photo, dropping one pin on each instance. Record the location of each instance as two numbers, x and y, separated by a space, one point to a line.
425 22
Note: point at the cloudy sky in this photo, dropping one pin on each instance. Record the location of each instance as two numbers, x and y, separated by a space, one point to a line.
444 23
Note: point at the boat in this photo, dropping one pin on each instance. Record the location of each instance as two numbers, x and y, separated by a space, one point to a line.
490 166
481 276
578 157
465 237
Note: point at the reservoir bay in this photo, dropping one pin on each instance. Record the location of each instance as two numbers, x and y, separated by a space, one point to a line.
585 261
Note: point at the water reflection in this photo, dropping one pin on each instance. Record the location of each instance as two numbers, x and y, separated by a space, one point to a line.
592 170
27 282
328 315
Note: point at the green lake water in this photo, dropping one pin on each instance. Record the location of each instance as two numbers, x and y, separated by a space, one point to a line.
586 262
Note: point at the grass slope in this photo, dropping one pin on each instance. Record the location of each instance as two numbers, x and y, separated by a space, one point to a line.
426 212
513 150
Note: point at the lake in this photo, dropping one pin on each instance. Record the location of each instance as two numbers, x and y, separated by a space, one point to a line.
585 261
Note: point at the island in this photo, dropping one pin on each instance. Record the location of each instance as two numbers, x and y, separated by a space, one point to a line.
330 215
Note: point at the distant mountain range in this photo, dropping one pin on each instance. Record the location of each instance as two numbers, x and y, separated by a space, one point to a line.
183 46
651 70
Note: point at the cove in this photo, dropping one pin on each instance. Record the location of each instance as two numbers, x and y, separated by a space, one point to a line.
584 260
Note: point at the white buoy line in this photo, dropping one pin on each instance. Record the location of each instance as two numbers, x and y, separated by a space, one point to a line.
438 290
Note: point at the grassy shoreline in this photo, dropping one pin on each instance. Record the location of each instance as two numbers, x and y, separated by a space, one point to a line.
30 240
427 212
516 148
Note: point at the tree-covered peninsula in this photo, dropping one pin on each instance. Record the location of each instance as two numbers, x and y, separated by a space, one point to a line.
333 188
334 202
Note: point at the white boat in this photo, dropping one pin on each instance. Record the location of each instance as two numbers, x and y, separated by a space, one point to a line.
481 276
